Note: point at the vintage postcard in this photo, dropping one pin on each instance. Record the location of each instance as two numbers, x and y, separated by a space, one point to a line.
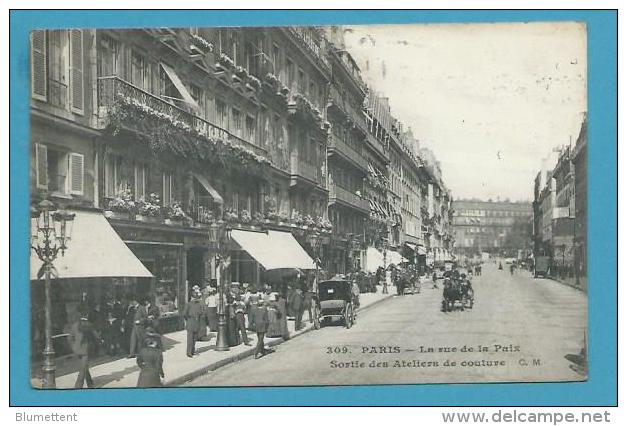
339 205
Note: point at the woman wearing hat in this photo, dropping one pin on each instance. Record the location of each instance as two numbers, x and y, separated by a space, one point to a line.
274 317
150 362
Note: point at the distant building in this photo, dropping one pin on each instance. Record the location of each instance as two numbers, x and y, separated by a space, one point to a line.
580 161
496 227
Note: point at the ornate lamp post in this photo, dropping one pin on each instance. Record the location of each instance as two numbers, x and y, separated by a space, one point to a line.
221 236
51 231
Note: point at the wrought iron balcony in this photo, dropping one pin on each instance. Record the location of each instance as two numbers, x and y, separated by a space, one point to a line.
339 104
113 89
350 154
308 39
344 196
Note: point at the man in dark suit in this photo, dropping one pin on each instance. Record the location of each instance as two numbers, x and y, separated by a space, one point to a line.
194 309
138 331
296 303
153 315
259 317
83 338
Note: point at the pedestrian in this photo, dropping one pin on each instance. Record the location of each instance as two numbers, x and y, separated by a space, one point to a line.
232 326
191 313
387 281
83 338
211 302
138 330
296 306
260 318
355 294
150 362
152 315
240 320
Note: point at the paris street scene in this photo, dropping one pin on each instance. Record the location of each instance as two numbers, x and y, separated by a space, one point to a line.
342 205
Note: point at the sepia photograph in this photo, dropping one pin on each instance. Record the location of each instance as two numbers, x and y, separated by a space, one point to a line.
308 205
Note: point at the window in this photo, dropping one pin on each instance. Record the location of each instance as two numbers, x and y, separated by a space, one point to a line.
199 96
58 171
301 81
237 122
250 129
139 71
291 78
111 166
234 47
313 92
58 64
39 73
167 191
276 59
108 56
221 114
76 71
167 89
140 181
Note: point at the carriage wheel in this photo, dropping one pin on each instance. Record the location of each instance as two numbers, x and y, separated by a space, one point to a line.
348 317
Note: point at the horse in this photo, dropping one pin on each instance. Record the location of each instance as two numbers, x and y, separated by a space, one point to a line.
452 293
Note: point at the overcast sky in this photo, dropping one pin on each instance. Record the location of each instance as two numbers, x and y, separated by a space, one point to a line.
491 100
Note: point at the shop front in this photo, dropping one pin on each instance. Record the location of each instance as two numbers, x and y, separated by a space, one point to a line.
96 268
177 257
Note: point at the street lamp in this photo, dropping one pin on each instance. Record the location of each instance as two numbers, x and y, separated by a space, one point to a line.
51 231
220 235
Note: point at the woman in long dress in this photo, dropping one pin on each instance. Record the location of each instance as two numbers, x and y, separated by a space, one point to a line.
150 362
282 309
274 318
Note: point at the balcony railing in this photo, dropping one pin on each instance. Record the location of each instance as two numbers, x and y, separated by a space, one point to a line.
356 115
307 38
336 192
113 89
338 145
377 145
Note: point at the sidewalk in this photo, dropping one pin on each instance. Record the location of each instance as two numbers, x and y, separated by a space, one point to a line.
178 368
572 282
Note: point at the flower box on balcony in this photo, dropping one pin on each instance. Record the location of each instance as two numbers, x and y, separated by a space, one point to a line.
111 214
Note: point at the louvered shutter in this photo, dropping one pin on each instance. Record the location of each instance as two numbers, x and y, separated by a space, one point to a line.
38 65
76 169
76 70
41 167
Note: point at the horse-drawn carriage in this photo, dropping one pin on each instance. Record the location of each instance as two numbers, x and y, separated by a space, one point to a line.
457 294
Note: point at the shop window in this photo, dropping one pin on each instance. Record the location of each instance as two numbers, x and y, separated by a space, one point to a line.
166 272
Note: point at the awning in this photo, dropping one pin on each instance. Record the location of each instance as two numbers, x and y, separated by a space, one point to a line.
187 97
274 250
374 259
95 250
421 250
210 189
395 258
411 246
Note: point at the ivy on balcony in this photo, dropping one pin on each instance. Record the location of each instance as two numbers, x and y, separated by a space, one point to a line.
165 134
299 104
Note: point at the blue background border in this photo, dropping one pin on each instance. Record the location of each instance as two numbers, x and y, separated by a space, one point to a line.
600 389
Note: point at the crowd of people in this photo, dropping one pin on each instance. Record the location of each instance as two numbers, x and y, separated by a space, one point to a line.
132 327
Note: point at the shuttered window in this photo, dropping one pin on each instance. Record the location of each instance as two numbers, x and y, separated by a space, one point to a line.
76 168
76 70
38 65
41 169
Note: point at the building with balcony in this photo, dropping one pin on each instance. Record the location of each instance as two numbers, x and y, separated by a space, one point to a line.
580 161
348 207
